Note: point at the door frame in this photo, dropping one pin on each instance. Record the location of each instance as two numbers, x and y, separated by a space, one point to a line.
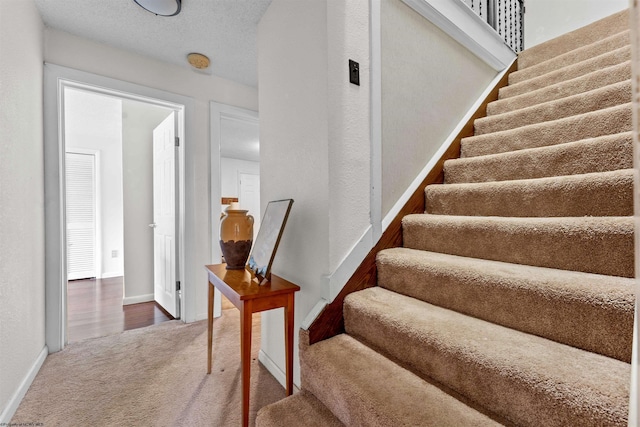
56 79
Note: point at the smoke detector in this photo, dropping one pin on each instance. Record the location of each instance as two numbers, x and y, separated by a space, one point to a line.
198 60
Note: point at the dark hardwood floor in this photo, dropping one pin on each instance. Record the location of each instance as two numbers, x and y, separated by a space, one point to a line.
94 309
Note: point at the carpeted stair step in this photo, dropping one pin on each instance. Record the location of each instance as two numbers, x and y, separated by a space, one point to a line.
589 311
300 409
589 125
600 245
363 388
595 31
595 194
583 68
580 54
563 89
597 99
529 380
601 154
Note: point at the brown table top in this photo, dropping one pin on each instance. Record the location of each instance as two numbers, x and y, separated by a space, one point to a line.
242 283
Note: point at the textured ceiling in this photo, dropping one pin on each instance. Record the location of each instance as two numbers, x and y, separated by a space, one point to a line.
224 30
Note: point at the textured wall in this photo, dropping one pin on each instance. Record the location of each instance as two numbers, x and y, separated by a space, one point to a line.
429 82
349 127
292 81
21 194
314 136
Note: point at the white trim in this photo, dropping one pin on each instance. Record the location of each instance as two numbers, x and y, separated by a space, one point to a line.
111 275
313 314
12 406
461 23
395 210
350 263
274 370
376 119
137 299
55 79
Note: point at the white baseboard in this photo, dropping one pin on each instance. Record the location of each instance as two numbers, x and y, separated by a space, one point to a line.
111 274
277 373
14 402
137 299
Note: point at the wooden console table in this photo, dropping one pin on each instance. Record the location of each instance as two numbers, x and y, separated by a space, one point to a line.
249 297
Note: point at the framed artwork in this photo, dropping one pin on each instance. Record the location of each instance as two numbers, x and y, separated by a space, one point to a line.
266 243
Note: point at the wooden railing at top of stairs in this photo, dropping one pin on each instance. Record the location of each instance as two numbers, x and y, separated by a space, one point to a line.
330 321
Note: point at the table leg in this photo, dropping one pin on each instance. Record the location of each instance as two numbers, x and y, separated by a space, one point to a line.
288 337
210 327
245 350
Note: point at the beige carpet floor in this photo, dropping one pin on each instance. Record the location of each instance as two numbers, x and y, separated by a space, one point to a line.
154 376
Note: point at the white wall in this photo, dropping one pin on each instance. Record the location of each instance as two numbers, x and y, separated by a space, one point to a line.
70 51
314 146
138 121
429 82
94 122
547 19
22 290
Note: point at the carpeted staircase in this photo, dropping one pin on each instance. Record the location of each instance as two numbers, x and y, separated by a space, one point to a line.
512 300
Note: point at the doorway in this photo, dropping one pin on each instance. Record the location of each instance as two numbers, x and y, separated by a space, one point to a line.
110 182
57 81
235 153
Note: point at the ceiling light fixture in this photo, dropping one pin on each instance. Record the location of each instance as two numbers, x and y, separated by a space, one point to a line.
198 60
161 7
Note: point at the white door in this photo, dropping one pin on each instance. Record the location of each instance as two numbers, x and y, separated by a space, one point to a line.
164 217
249 197
80 170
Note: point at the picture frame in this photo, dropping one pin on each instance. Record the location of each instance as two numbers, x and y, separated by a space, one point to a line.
266 243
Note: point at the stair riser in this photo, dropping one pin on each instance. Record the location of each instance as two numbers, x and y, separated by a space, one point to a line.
595 32
586 83
598 318
592 245
608 194
581 54
340 373
610 96
607 153
590 125
583 68
291 410
510 388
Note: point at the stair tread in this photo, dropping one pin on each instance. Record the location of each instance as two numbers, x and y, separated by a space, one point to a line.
601 245
367 389
563 89
300 409
588 34
589 311
595 194
572 71
607 121
547 382
600 154
593 100
604 45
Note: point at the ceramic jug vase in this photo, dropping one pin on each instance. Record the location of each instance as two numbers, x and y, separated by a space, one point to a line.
236 236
